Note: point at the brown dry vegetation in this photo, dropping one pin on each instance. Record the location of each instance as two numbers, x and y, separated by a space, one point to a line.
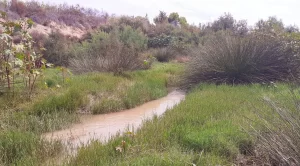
70 20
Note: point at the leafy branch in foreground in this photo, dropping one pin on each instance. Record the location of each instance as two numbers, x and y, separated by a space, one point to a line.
18 60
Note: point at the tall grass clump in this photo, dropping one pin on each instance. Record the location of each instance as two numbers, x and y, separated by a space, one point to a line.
278 141
68 101
25 148
230 59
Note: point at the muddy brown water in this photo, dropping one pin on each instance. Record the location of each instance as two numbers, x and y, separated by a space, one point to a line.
102 127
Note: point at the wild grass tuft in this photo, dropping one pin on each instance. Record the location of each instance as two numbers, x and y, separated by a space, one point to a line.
229 59
18 147
278 134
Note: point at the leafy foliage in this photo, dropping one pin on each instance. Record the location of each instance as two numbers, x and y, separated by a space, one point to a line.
224 22
271 25
134 38
18 59
160 41
161 18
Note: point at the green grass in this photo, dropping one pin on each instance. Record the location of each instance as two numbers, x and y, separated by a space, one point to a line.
205 129
55 103
25 148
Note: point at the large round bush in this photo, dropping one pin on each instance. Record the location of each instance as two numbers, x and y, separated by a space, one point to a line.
256 58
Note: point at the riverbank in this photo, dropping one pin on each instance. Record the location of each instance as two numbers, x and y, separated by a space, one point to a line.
58 102
105 126
207 128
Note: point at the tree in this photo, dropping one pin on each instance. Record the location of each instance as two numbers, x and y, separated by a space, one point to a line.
173 17
161 18
241 27
291 29
272 24
223 23
182 21
227 22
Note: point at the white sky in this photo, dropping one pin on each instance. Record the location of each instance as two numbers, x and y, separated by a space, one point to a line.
198 11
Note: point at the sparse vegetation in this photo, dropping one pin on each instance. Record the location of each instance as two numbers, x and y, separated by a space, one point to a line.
44 14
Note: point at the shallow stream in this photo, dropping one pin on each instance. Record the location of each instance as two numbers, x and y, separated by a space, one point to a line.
102 127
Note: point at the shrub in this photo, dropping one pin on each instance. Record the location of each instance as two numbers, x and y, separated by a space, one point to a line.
110 52
38 38
240 60
179 39
136 23
164 54
160 41
18 7
134 38
160 29
57 49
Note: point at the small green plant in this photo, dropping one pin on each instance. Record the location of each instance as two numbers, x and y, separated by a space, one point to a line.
19 59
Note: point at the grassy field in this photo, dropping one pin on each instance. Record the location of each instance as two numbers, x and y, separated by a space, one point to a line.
208 128
57 102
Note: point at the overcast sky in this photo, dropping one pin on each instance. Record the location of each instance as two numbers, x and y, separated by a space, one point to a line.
199 11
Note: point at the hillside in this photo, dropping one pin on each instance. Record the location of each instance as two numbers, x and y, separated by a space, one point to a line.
72 21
